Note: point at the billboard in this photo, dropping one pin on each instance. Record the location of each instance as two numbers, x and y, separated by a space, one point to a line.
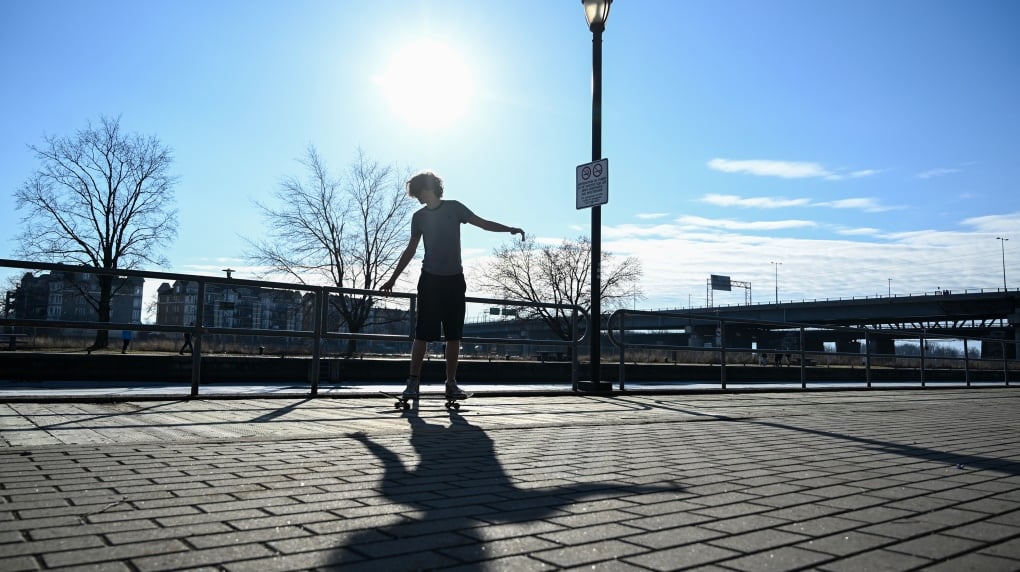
720 282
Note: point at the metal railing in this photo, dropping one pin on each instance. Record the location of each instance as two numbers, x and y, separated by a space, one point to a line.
317 334
616 331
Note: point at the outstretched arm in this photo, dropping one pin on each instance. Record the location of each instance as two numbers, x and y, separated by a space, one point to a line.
493 226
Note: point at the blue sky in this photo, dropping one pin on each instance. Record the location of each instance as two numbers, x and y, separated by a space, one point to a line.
869 146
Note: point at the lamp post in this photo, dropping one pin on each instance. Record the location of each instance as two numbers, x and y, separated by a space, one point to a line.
890 287
777 265
1002 243
596 12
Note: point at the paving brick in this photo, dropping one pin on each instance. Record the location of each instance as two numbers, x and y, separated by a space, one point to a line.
498 549
17 563
785 558
744 523
422 543
934 546
984 531
757 540
594 533
302 561
674 537
846 543
164 533
974 562
876 560
112 553
195 558
579 555
1007 549
681 557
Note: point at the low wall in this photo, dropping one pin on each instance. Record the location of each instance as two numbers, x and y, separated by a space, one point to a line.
27 366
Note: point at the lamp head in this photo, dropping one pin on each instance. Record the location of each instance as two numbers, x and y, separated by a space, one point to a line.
596 12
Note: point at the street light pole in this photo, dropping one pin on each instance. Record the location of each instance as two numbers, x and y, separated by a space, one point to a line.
596 12
777 265
1002 243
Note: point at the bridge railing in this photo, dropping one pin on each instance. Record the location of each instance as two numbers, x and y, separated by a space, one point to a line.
876 296
809 361
313 332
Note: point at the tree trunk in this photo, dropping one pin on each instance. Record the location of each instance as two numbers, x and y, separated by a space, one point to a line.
103 311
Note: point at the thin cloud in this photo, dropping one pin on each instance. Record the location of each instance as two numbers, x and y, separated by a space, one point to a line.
866 204
864 173
753 202
862 231
937 173
767 168
651 216
785 169
1004 225
730 224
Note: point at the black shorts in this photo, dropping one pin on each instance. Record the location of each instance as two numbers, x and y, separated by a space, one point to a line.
440 304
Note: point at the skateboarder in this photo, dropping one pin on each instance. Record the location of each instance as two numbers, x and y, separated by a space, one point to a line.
441 287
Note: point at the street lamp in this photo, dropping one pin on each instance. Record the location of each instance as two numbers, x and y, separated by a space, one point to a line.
596 12
777 265
1002 242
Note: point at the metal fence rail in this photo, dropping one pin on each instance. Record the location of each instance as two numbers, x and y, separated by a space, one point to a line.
617 329
317 334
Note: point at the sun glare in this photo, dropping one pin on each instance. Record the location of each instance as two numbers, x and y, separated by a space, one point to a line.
427 84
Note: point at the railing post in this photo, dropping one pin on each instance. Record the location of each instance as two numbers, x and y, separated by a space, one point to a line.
966 362
320 309
196 341
922 360
722 353
623 346
1005 364
803 361
574 364
867 358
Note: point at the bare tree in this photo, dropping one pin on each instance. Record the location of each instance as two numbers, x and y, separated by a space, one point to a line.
558 274
100 198
339 231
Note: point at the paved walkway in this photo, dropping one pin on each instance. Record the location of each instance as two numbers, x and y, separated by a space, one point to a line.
853 480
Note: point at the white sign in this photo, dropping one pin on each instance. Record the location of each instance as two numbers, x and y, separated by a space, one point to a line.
593 184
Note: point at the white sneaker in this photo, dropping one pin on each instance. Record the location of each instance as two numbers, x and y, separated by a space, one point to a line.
453 391
411 391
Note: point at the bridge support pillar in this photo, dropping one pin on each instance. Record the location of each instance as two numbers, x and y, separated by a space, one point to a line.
882 345
848 346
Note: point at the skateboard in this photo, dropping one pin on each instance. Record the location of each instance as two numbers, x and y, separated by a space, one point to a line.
405 402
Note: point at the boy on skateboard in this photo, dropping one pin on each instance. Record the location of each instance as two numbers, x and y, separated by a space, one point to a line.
441 287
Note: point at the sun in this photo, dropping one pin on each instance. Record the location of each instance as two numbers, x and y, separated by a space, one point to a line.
427 84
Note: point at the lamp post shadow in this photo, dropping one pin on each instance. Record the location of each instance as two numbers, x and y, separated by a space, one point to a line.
458 498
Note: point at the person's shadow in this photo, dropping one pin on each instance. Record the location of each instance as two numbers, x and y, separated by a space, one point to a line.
458 497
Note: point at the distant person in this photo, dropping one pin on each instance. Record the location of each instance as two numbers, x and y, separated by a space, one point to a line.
187 342
441 286
125 338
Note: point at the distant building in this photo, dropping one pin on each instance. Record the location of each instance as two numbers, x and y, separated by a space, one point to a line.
229 306
73 296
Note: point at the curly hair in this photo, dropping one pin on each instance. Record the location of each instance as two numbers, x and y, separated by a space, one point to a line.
425 180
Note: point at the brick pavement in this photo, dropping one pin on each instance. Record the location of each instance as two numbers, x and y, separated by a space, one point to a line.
834 481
